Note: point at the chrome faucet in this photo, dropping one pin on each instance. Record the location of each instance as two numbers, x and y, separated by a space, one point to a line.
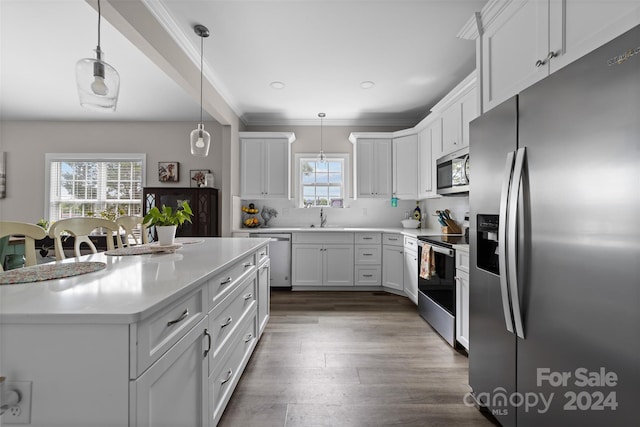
323 218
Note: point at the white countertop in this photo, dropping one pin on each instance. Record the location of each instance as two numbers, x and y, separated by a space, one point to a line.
414 232
128 289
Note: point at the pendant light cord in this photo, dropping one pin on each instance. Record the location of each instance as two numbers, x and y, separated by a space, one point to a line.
99 15
201 55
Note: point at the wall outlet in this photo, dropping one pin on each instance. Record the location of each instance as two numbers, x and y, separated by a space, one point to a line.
20 413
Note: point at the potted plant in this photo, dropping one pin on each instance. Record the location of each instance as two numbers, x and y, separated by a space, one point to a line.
167 220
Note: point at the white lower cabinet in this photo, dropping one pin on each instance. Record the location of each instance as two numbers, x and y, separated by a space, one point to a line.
411 269
264 294
368 259
393 262
322 259
462 298
192 381
227 371
174 390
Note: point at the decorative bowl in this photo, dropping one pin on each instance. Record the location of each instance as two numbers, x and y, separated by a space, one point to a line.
410 223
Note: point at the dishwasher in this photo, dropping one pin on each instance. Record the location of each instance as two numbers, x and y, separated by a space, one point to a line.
280 256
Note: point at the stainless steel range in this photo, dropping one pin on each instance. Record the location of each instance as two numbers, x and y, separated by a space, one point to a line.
437 295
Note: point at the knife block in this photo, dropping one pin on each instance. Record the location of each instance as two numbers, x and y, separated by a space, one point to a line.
451 228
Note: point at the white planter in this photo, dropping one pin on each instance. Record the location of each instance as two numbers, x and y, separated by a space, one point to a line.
166 234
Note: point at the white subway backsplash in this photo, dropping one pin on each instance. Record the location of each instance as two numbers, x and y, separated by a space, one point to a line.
357 213
458 205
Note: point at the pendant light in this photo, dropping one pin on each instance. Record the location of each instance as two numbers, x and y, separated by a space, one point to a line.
200 138
98 82
321 156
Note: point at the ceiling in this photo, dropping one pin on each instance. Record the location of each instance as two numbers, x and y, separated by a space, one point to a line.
321 50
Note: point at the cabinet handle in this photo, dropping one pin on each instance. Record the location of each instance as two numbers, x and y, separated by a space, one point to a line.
247 264
225 281
248 296
367 238
208 335
393 240
227 322
367 254
229 375
263 253
248 338
367 275
541 62
183 316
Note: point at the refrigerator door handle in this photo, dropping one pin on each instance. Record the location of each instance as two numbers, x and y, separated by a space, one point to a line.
512 240
502 241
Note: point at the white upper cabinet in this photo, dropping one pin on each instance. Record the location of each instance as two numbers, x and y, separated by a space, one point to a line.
451 127
511 46
578 26
425 169
373 165
469 109
456 110
524 41
265 165
405 167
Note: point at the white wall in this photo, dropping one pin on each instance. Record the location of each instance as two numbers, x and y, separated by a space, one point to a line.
27 142
361 212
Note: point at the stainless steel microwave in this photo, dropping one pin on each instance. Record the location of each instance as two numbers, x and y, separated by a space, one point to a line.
453 173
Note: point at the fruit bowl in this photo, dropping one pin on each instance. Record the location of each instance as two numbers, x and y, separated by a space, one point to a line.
250 221
410 223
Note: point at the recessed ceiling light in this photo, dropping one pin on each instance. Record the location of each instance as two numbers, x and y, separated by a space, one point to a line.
276 85
367 84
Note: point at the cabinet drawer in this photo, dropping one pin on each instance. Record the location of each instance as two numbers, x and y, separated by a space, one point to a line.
153 336
368 238
462 260
323 237
366 254
392 239
223 283
227 372
262 255
368 275
225 318
410 243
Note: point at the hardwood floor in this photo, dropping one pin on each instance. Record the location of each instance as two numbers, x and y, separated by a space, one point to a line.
350 359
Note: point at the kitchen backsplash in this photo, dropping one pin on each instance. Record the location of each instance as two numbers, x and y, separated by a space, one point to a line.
358 213
458 205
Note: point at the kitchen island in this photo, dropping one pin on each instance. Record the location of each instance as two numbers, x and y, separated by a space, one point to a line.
155 339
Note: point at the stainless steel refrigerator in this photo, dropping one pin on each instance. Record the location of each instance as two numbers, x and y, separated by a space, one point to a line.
555 246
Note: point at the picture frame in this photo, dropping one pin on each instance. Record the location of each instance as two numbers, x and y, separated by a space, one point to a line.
197 177
168 171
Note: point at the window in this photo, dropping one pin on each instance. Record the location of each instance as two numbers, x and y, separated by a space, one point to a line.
88 184
322 183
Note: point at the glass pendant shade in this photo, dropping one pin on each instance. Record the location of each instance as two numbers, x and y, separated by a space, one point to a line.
98 84
200 141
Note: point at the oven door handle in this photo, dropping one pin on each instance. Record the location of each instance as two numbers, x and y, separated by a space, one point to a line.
445 251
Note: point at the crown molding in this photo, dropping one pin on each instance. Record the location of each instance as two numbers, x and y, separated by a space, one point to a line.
182 38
